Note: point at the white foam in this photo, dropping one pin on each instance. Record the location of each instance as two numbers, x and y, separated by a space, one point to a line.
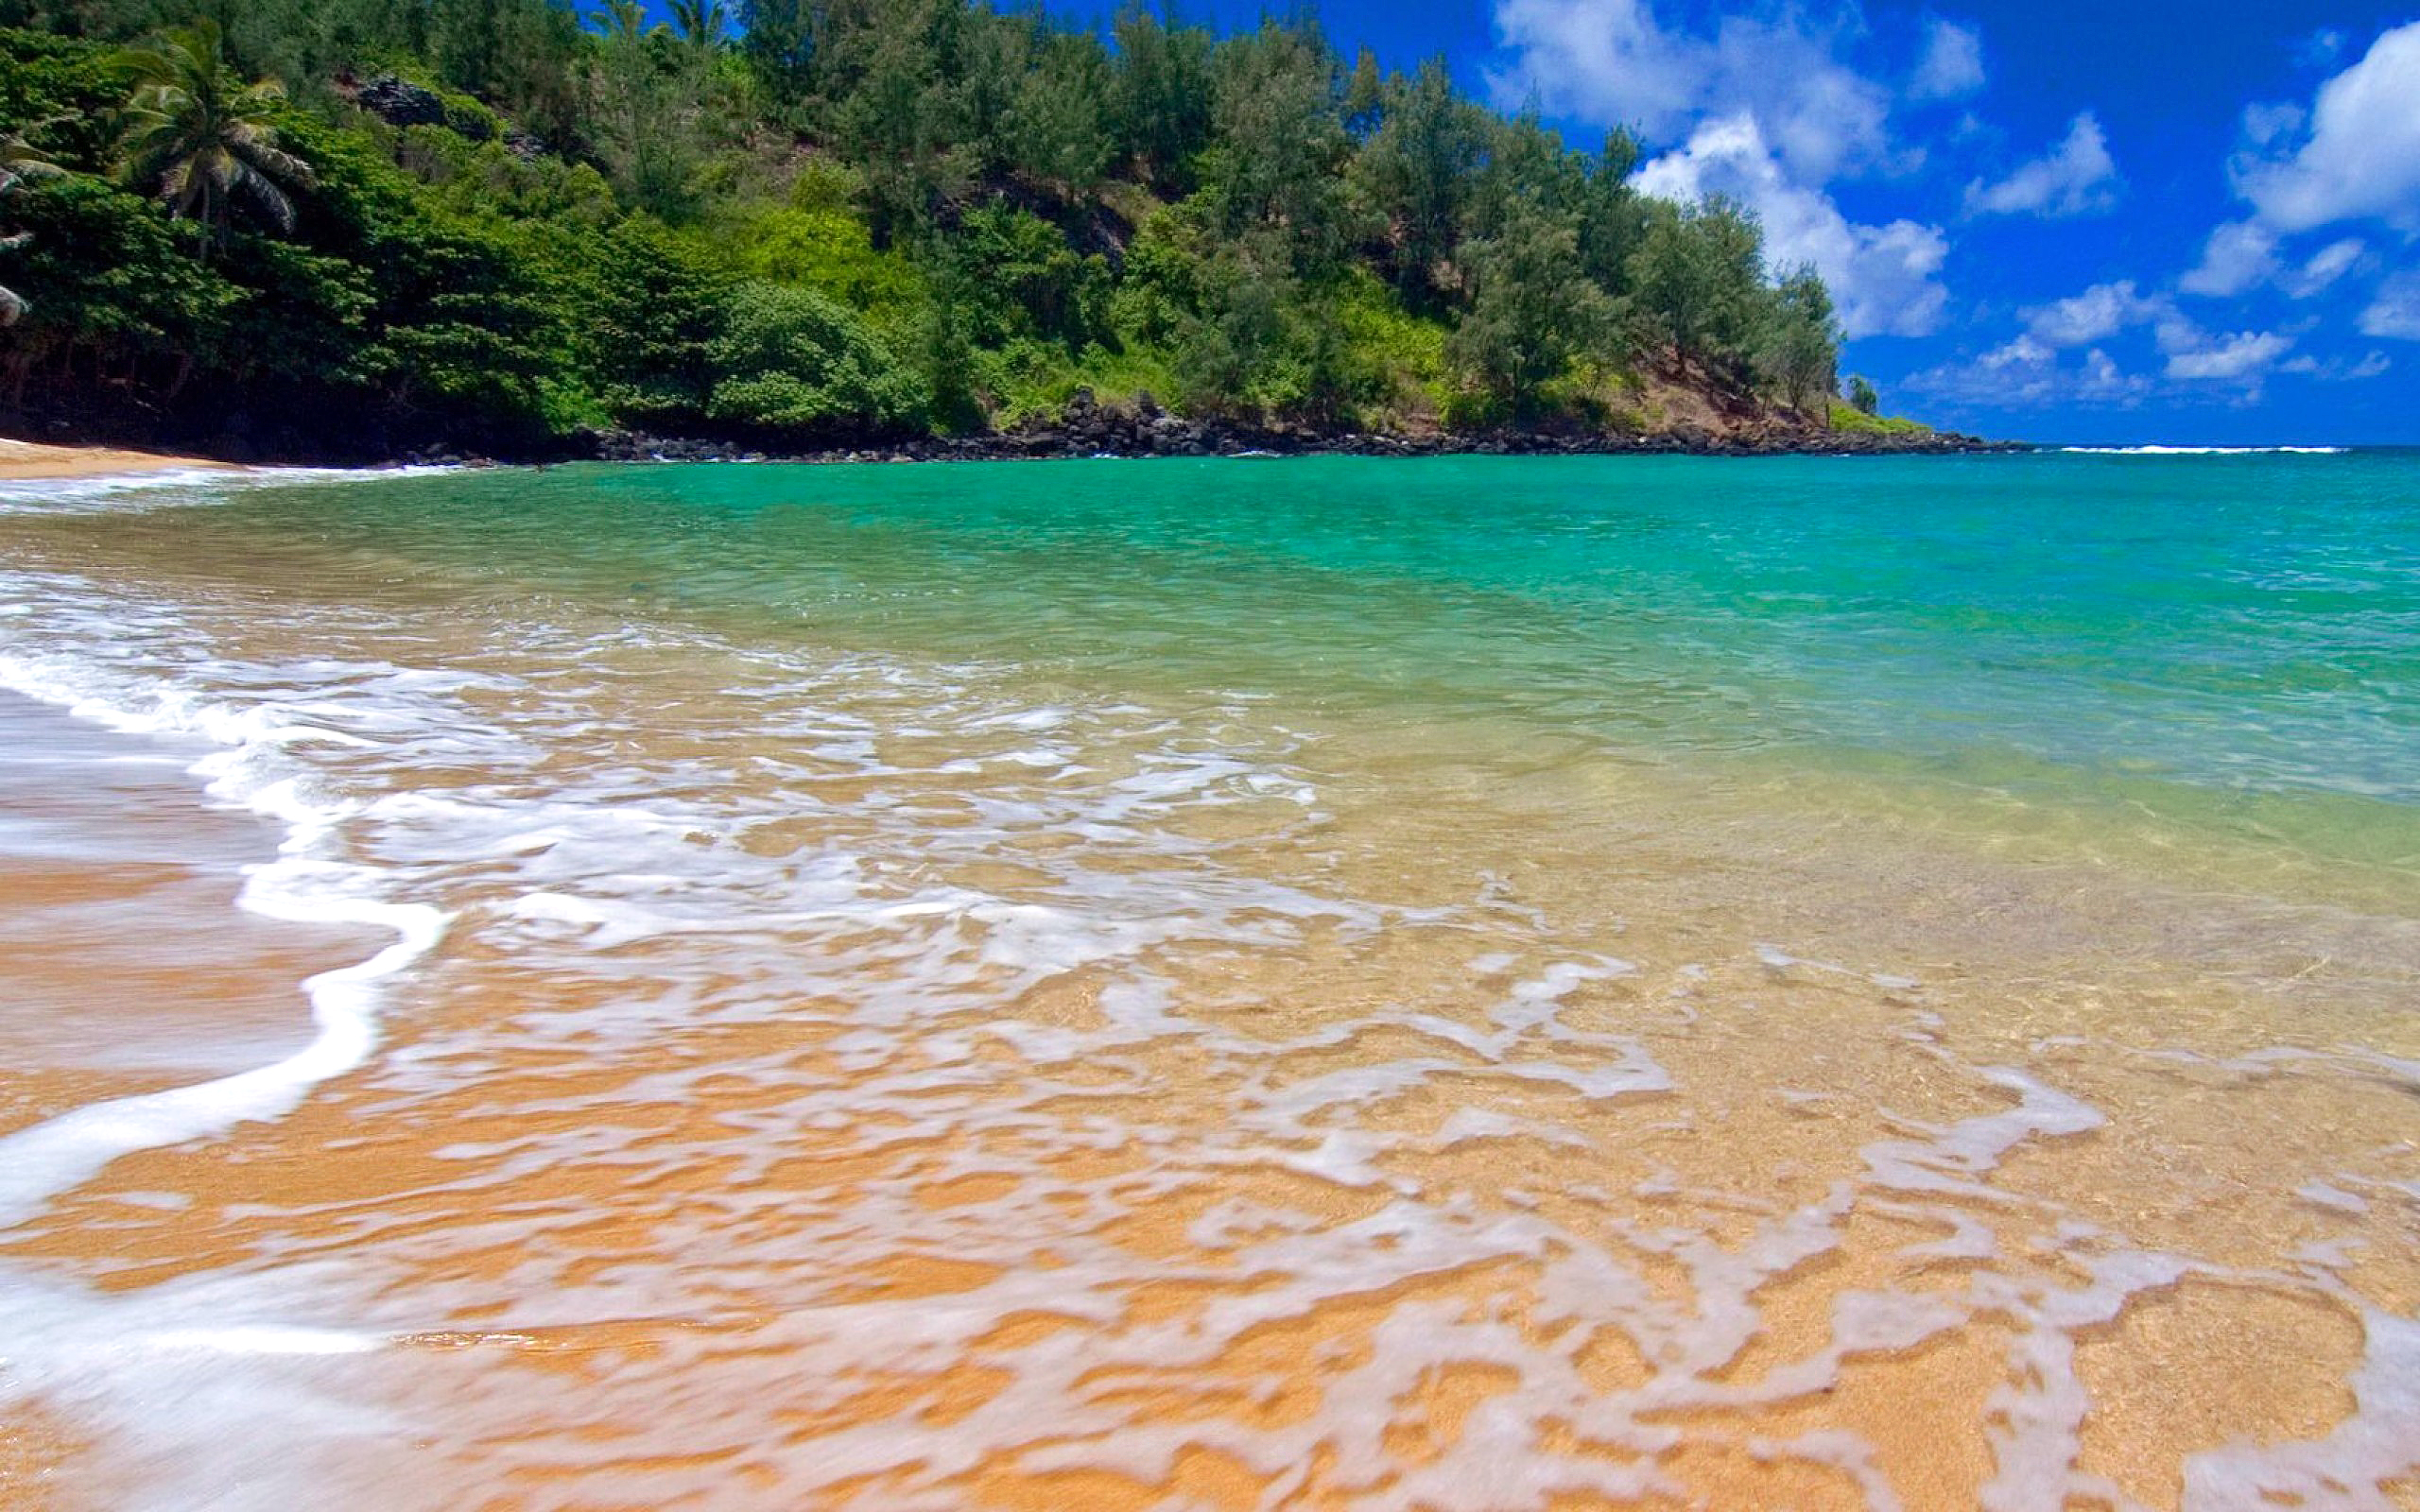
304 885
182 485
2380 1441
2204 451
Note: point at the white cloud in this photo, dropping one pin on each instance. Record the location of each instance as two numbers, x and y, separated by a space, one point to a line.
2338 370
2096 315
2104 310
2326 267
2030 372
2078 177
2027 372
1883 278
2241 255
1952 65
2396 310
1613 61
2241 357
2356 156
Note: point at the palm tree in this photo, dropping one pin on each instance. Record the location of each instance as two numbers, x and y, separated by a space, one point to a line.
202 139
702 23
19 161
622 20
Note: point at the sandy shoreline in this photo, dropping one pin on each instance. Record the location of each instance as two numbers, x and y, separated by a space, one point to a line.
21 461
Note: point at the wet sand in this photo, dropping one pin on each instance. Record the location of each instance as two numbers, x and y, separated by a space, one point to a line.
130 965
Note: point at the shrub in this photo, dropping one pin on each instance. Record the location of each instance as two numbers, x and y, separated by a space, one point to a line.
792 359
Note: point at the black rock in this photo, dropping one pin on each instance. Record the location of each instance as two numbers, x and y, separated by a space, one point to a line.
398 103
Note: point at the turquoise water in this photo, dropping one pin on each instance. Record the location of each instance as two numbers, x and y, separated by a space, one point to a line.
2217 645
1803 982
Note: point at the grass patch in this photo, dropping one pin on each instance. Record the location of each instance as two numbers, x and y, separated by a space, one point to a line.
1849 419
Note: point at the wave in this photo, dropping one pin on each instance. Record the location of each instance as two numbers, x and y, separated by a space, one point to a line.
305 884
189 485
2206 450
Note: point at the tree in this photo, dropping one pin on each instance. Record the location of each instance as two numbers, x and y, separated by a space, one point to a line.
1801 341
525 216
1054 130
651 310
1013 275
1861 395
782 41
204 140
1612 215
897 115
18 162
702 23
1160 96
1281 143
1416 171
1366 93
1698 281
528 57
1534 309
643 115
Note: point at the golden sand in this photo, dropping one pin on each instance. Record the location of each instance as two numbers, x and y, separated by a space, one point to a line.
24 461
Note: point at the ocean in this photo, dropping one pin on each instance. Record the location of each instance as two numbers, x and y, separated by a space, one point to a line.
1475 984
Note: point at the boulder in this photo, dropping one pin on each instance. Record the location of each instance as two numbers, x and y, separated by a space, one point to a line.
398 102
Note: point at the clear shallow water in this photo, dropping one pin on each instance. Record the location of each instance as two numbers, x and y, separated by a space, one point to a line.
2245 630
1311 981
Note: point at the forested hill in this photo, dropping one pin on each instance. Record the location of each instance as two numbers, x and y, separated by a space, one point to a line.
306 225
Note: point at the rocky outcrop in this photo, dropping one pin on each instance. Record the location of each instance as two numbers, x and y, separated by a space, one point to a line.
398 102
1089 428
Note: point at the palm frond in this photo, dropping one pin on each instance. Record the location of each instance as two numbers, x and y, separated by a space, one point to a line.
202 138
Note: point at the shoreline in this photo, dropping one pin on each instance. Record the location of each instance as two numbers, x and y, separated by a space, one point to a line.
1085 432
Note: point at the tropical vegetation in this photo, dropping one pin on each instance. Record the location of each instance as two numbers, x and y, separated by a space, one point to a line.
501 220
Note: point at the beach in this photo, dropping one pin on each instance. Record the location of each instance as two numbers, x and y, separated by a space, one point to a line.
1460 983
35 461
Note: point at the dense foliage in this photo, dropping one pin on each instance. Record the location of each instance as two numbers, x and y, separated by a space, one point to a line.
500 219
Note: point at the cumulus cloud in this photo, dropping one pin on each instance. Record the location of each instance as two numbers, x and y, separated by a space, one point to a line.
2076 177
2396 311
2111 308
2353 155
2241 255
2104 310
2239 358
2338 370
1952 65
2096 315
2029 372
1615 62
1885 279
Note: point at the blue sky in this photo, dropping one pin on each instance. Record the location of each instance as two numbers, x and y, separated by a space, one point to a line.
2086 220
